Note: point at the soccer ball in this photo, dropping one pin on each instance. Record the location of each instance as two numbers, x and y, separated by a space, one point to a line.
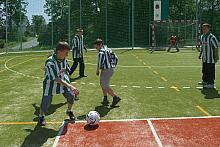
93 118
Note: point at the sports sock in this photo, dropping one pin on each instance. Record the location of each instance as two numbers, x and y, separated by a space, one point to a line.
68 110
105 98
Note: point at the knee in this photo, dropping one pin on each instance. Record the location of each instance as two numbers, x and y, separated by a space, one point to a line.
70 100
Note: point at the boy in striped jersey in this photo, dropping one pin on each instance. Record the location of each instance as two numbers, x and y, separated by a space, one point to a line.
57 81
78 53
209 55
107 68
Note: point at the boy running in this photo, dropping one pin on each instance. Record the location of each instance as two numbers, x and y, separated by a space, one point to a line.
57 81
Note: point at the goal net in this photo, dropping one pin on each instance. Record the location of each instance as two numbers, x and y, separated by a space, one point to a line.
161 32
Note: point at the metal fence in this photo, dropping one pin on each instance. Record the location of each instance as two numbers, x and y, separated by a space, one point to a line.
121 24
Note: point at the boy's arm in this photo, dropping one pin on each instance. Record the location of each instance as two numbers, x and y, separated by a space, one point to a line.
85 48
100 62
217 55
65 84
200 54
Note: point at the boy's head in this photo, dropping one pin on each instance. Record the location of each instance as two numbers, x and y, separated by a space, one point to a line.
79 31
206 28
98 44
62 50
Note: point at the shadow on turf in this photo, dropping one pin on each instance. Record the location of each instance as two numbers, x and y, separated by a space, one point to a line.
90 128
75 79
38 136
210 93
103 111
51 109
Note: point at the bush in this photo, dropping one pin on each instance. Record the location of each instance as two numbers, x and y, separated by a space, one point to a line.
24 39
2 43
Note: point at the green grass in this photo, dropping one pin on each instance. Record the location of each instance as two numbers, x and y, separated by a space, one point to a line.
21 96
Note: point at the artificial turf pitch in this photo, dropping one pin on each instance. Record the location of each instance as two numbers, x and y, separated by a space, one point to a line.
150 85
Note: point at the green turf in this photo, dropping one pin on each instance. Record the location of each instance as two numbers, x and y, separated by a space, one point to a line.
21 94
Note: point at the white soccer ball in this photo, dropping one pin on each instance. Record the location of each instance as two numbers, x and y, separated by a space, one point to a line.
93 118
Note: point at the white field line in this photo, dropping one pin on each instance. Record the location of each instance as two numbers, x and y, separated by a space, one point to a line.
155 66
20 72
59 134
152 119
153 130
124 86
136 86
161 87
187 87
125 120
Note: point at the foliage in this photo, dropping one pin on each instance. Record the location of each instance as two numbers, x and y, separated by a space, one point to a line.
38 23
2 43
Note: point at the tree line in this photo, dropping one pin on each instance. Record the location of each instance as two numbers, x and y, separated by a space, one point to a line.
119 19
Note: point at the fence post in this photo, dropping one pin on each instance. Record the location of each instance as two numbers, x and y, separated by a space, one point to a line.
132 8
6 27
106 22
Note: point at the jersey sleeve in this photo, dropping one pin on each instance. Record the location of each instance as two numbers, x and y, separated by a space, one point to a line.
214 42
51 71
74 42
101 58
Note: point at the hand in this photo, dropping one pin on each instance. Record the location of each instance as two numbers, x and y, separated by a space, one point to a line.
97 72
74 90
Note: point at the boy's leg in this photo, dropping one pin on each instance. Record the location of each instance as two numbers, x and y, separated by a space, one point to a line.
74 66
211 74
81 67
105 84
105 97
45 103
169 48
70 101
177 48
205 72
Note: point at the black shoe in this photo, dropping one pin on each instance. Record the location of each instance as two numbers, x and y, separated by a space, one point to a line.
83 76
76 98
42 121
71 115
105 102
116 99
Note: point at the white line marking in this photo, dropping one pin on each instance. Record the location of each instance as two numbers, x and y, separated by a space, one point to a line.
152 119
153 66
59 134
91 83
124 86
180 118
199 87
161 87
186 87
19 73
173 87
155 133
136 86
73 82
82 83
112 85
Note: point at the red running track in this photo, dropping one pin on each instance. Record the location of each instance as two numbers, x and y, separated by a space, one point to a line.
196 132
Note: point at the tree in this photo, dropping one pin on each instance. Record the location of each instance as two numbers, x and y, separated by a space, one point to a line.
16 15
38 23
